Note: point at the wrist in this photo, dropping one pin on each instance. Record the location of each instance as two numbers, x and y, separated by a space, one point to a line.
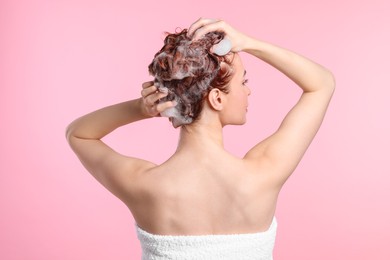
250 44
141 109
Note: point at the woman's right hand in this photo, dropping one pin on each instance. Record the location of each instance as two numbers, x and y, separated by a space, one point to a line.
204 26
151 106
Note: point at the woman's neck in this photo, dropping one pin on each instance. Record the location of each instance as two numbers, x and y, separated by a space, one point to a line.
201 136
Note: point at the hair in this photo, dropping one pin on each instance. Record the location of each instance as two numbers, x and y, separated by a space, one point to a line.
188 70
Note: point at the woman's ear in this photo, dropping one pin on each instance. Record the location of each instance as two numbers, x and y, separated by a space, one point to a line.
215 98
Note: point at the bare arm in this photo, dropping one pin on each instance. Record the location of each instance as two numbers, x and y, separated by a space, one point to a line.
280 153
113 170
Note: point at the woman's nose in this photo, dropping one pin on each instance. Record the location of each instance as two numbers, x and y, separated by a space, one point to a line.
249 91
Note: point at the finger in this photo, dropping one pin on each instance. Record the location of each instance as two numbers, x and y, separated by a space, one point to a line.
164 106
193 27
153 98
147 84
149 90
216 26
198 24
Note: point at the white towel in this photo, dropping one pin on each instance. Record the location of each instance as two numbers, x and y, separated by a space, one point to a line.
252 246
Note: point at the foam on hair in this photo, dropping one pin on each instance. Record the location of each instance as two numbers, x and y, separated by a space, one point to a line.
188 70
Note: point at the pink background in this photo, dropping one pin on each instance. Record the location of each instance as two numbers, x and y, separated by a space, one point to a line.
62 59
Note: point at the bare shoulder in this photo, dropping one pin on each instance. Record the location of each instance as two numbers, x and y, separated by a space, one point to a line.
116 172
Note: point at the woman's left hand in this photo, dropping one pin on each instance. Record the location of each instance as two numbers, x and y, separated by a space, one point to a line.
150 100
203 26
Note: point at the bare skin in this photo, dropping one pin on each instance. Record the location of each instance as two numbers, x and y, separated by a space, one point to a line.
202 189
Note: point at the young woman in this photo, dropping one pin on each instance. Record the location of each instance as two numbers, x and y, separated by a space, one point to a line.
204 203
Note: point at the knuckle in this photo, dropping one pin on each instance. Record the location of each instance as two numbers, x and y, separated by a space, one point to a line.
148 102
159 108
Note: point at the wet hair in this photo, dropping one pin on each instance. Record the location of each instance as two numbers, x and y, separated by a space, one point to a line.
188 70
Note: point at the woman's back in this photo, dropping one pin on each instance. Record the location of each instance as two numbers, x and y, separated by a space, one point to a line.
208 193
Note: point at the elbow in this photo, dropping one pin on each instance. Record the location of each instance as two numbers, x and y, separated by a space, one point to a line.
69 132
70 136
331 82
